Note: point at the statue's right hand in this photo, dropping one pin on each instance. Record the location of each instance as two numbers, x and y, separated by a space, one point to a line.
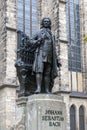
40 40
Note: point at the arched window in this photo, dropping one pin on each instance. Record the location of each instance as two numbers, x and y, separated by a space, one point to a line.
81 118
72 118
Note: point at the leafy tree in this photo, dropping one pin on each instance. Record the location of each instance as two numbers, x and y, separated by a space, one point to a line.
85 39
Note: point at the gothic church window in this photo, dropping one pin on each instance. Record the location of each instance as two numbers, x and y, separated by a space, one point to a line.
72 118
73 34
81 118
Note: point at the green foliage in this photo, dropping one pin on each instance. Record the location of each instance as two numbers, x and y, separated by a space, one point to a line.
85 39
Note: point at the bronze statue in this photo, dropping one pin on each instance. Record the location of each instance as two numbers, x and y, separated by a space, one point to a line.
45 62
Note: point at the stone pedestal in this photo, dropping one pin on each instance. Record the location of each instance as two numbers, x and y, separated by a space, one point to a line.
40 112
20 123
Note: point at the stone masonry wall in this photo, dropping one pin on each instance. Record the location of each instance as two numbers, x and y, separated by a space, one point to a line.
7 107
11 44
8 42
11 57
8 48
3 35
83 28
59 27
63 46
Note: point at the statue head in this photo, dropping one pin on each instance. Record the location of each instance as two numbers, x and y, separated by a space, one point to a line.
46 22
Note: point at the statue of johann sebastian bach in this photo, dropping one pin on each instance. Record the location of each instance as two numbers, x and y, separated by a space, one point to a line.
45 63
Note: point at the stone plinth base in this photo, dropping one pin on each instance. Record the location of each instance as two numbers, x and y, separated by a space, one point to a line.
40 112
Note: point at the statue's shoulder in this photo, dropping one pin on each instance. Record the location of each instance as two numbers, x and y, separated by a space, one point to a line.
41 30
38 32
35 35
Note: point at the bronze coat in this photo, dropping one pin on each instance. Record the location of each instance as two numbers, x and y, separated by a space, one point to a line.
38 61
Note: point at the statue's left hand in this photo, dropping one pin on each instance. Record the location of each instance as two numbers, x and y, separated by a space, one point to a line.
58 64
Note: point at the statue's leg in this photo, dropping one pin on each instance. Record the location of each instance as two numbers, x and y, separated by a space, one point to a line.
38 82
47 79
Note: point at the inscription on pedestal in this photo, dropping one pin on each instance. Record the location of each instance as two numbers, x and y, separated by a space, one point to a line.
53 117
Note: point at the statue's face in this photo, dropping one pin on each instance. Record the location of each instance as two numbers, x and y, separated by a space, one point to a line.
46 23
